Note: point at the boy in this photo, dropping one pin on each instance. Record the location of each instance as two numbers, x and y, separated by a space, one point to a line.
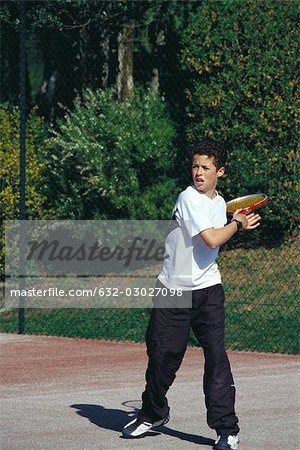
201 206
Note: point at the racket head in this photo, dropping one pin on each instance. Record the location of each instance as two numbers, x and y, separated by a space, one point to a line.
246 203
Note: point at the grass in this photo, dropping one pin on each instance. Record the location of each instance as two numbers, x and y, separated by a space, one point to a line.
262 296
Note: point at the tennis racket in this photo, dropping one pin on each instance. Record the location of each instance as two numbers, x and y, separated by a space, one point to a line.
246 203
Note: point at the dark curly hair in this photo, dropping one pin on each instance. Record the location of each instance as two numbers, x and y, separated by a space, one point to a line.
213 149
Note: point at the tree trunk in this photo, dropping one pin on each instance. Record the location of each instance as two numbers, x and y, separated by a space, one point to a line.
159 42
105 68
125 58
155 81
60 81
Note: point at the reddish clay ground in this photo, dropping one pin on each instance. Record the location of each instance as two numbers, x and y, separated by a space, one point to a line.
61 393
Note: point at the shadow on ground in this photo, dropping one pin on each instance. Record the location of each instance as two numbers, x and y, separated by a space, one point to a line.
115 419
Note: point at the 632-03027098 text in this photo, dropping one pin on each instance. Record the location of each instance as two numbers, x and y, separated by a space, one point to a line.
139 292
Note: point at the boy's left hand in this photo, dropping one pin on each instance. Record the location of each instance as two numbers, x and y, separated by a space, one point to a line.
253 221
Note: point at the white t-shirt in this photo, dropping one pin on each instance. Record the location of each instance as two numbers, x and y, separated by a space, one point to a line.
190 264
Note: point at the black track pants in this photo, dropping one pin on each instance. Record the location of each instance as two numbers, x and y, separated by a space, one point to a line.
166 339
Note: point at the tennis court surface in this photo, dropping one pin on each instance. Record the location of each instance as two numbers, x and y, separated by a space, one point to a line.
61 393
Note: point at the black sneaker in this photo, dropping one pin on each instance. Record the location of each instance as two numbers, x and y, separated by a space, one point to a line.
227 442
138 428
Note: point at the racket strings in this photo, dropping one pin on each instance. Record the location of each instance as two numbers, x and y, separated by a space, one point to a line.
246 202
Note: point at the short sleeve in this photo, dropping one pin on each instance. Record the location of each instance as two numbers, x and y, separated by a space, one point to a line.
193 208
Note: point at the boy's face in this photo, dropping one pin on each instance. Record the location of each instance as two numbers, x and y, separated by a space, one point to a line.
205 174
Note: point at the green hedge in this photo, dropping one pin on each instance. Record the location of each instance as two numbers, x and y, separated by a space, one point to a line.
241 59
10 169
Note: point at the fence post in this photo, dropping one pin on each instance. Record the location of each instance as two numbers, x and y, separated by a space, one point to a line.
22 214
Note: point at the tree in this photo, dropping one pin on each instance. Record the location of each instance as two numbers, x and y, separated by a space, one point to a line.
9 53
111 159
97 44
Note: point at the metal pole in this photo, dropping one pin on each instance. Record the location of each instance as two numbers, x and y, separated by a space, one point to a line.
22 214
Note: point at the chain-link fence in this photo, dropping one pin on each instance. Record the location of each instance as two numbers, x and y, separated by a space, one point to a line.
114 49
262 296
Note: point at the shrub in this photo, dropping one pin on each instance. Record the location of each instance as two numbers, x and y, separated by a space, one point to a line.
242 60
111 160
10 169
